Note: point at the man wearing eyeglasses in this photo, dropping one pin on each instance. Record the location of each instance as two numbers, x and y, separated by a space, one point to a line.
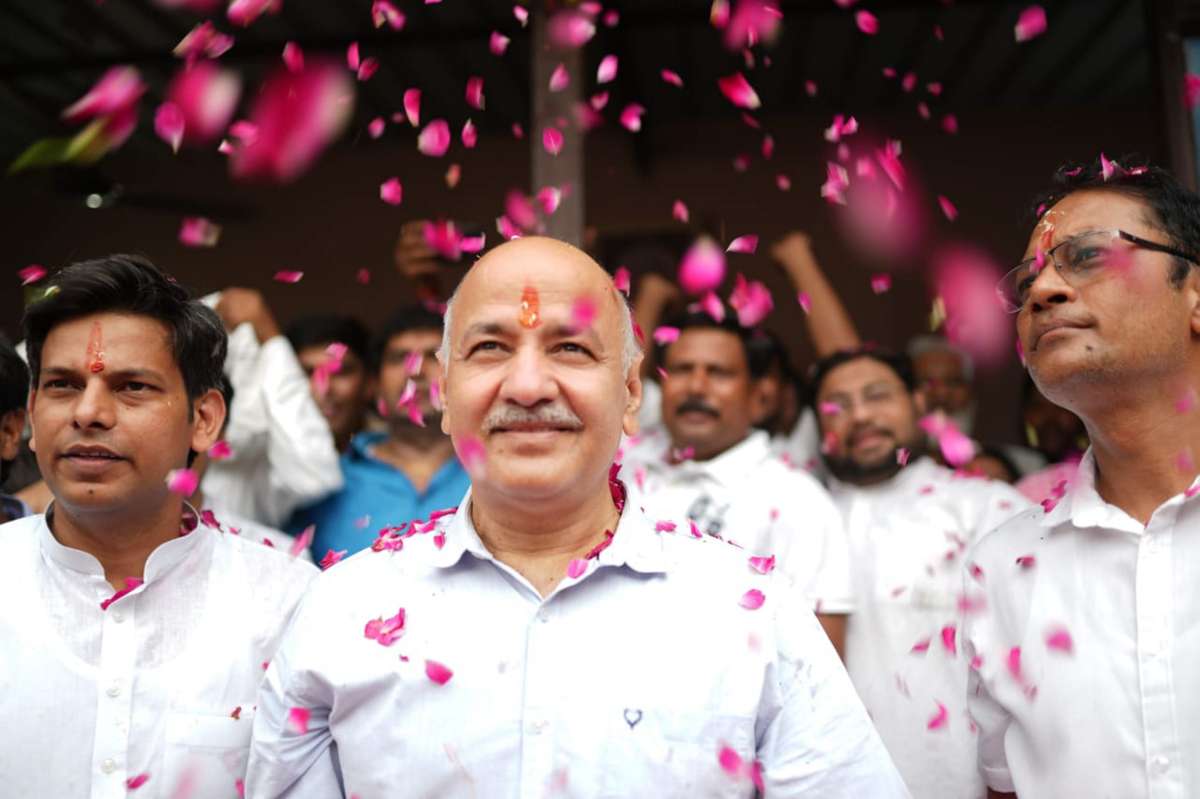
1083 616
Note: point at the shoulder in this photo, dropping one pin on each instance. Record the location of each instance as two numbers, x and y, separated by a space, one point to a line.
265 563
1017 537
20 535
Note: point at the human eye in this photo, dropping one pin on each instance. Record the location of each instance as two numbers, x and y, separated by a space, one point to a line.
487 346
1087 253
136 386
55 383
573 348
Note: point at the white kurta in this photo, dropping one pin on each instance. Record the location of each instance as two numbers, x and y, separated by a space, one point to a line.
626 681
91 698
1089 675
907 538
284 455
750 497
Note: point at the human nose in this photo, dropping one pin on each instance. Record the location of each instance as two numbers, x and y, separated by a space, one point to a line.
529 380
94 407
1049 287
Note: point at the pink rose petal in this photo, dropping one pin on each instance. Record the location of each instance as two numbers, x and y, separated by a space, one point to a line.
631 117
866 22
746 244
1031 23
939 719
293 57
576 568
303 541
498 43
552 140
738 91
664 334
203 40
386 631
131 584
383 12
559 78
881 283
583 313
434 140
672 78
353 60
1026 561
752 599
607 70
570 30
679 212
133 783
169 124
244 12
948 208
31 274
196 231
437 672
730 761
920 646
949 634
1059 640
288 276
702 267
752 301
475 92
469 136
206 97
471 454
1191 91
762 565
805 301
718 15
367 68
298 720
391 192
1108 168
182 482
412 106
711 304
1013 663
331 558
117 90
220 451
621 280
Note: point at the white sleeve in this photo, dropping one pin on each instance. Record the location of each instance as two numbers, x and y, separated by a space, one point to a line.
990 716
821 742
813 540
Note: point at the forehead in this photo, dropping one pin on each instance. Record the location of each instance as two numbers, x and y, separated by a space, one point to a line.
937 362
854 375
707 345
129 338
1092 209
419 339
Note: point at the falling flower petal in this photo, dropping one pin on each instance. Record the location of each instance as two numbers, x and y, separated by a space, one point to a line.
331 558
203 40
244 12
293 57
298 720
576 568
352 56
679 211
631 117
303 541
738 91
753 22
1059 639
498 43
965 280
569 30
752 599
949 634
1031 23
522 15
950 123
1108 168
1192 91
805 301
469 137
31 274
762 565
471 454
206 97
437 672
746 244
672 78
287 276
196 231
386 631
375 127
730 761
412 106
133 783
881 283
367 68
559 79
1013 663
434 140
552 140
711 304
383 12
718 15
866 22
939 719
117 90
956 447
131 584
220 451
169 125
920 646
475 92
1027 561
702 267
391 192
948 208
607 69
752 301
664 334
295 117
621 280
182 482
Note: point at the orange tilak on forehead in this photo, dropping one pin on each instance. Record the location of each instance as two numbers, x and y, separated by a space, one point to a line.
94 357
529 316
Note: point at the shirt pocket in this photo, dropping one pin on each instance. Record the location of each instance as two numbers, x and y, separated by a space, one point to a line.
207 753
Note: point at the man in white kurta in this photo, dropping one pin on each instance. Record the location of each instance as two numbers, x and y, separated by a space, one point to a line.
547 638
908 528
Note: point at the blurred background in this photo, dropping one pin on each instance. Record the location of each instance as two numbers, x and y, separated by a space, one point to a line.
982 119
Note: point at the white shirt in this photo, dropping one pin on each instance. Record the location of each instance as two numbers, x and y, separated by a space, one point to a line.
749 497
216 515
91 698
908 537
1119 714
626 681
284 455
801 448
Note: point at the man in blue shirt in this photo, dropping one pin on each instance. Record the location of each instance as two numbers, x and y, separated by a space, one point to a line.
405 472
14 388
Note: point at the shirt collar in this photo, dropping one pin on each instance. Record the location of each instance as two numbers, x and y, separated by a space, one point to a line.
920 471
165 556
635 543
361 444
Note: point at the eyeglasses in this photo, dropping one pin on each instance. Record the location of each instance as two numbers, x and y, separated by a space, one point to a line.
1078 260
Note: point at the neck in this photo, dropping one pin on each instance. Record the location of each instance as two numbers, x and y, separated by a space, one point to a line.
417 452
1145 449
122 553
540 539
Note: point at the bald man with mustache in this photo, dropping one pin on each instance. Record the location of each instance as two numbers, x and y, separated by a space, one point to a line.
545 638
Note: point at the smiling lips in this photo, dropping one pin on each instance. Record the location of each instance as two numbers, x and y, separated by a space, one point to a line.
1052 325
91 454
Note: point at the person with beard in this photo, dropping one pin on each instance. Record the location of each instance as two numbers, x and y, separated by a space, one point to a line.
14 390
709 465
405 472
908 521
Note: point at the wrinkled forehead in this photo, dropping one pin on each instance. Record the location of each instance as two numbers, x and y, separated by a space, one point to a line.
1088 210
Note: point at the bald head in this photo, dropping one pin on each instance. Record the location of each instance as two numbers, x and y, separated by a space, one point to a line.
543 270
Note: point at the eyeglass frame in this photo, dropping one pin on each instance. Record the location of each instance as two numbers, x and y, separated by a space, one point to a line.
1049 256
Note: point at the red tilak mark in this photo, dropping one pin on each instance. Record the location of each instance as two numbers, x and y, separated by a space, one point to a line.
95 350
530 316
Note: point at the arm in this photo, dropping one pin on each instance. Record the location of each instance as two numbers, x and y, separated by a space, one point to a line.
834 625
829 323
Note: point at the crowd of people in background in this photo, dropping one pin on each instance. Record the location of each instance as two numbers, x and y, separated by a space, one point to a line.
682 564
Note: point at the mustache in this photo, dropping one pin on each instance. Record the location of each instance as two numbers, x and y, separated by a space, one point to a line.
865 430
693 404
514 415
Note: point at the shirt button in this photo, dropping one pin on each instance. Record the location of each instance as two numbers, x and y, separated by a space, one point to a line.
108 766
544 617
536 727
1161 764
118 616
114 690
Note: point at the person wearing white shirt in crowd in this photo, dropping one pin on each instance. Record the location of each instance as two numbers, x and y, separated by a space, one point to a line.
908 527
282 450
132 639
1085 630
710 467
548 638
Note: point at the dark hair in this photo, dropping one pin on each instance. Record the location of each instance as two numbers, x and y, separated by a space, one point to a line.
412 317
131 284
761 352
1175 209
898 362
321 330
14 378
